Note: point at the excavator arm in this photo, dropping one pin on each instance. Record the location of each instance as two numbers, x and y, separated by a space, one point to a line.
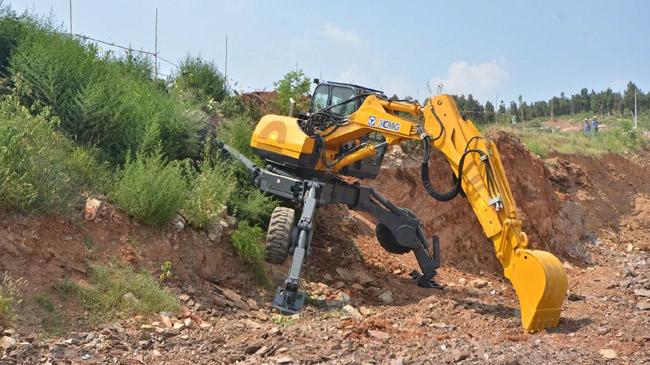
537 276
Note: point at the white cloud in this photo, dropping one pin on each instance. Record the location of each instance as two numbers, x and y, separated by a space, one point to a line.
339 35
481 80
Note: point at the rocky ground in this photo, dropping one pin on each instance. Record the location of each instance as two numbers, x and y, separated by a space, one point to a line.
363 308
364 315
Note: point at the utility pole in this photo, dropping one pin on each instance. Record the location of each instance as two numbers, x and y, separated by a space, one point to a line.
635 115
225 64
496 107
70 3
155 51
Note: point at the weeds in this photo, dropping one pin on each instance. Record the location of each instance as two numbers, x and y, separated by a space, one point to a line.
247 241
10 298
619 139
237 134
53 321
165 271
150 188
283 320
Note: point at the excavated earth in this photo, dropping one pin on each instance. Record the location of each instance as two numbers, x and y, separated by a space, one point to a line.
592 212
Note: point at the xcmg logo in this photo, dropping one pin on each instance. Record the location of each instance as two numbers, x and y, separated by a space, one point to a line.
383 123
387 124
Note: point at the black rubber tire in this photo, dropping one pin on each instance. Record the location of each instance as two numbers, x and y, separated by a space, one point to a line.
278 236
388 241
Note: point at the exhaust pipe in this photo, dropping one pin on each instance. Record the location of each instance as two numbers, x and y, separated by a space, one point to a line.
292 107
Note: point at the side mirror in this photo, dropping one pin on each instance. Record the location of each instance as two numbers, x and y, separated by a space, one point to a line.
316 81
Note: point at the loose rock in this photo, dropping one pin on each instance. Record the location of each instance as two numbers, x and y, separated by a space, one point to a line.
608 353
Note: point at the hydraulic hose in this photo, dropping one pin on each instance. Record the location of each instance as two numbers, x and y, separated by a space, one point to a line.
426 178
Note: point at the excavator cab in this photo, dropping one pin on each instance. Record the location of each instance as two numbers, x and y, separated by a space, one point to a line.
342 100
328 94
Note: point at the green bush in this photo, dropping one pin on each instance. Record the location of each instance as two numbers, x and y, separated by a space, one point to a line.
102 100
231 106
41 170
254 206
202 79
13 29
237 134
150 188
118 108
293 85
52 70
211 190
247 241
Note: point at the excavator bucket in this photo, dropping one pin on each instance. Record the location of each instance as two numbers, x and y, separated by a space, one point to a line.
540 282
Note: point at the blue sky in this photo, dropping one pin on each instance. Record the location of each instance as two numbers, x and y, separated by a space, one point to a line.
488 48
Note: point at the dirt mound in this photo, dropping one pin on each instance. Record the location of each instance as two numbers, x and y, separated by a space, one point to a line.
606 186
263 100
548 220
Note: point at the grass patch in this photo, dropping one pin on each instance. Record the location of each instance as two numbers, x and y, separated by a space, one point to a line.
88 243
150 188
283 320
104 297
619 139
10 298
54 322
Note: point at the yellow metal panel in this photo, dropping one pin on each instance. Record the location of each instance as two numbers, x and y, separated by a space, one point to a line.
282 135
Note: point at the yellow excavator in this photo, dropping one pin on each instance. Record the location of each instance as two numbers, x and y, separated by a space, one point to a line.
346 133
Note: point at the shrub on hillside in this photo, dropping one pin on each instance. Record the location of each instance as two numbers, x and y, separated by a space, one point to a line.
231 106
202 79
102 100
10 298
211 190
41 170
150 188
14 28
51 70
117 109
293 85
247 241
237 134
254 206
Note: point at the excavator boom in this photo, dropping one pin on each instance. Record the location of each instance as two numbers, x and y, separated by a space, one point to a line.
326 143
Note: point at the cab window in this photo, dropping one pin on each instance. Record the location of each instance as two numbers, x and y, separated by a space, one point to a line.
339 95
320 98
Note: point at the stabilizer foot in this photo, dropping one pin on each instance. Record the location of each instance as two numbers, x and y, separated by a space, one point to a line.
288 301
423 282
